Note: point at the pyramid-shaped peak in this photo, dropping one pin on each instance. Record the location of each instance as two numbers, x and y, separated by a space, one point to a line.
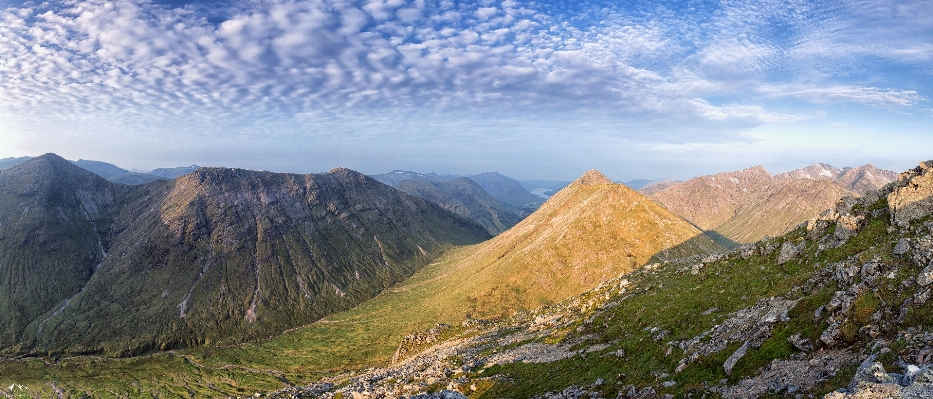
592 177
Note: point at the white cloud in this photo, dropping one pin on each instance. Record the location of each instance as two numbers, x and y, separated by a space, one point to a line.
143 64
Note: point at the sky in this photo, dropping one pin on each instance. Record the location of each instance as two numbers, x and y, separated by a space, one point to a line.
532 89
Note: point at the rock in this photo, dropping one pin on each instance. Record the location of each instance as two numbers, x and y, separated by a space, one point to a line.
912 198
921 297
872 372
788 252
445 394
752 325
848 226
816 227
799 342
734 358
785 378
902 247
926 276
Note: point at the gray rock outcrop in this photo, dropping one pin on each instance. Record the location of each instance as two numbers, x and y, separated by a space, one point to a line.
912 195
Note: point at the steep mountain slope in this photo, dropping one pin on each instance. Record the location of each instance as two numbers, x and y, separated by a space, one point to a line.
747 205
838 307
54 232
171 173
467 199
787 206
709 201
591 230
217 256
505 189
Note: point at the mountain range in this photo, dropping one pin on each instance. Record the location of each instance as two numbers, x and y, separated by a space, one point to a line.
747 205
216 256
228 282
115 173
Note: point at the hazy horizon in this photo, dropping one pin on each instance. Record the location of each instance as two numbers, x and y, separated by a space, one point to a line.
533 90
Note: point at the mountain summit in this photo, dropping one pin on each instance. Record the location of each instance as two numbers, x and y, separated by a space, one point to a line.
592 177
584 234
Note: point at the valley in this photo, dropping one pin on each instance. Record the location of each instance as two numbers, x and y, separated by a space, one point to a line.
549 295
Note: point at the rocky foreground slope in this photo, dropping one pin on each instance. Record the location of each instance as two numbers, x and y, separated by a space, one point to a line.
838 307
218 256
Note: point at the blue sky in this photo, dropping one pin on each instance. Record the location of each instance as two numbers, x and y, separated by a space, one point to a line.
539 89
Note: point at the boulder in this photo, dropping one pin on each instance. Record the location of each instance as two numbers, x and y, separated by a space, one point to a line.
902 246
926 276
788 252
734 358
912 198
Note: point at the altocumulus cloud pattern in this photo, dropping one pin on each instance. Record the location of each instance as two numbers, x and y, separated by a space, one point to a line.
296 65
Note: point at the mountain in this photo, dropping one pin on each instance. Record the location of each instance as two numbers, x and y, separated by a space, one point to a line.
8 162
591 230
709 201
747 205
102 169
171 173
858 180
467 199
505 189
865 178
134 178
55 222
638 184
217 256
395 177
657 185
837 308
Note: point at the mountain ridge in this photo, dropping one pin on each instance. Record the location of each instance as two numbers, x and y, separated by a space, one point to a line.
220 256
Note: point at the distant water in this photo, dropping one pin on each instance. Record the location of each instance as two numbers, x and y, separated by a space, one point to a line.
540 192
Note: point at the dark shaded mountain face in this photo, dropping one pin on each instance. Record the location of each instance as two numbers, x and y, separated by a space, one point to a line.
55 222
506 189
171 173
217 256
395 177
467 199
102 169
9 162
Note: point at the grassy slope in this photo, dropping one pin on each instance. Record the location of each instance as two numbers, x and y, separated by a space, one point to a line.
674 301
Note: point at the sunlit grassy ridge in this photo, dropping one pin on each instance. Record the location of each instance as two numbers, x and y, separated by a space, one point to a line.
684 305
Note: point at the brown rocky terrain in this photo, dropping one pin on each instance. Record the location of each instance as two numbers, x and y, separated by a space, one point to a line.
858 180
747 205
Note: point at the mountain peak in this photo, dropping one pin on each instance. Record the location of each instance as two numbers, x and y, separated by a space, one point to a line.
592 177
